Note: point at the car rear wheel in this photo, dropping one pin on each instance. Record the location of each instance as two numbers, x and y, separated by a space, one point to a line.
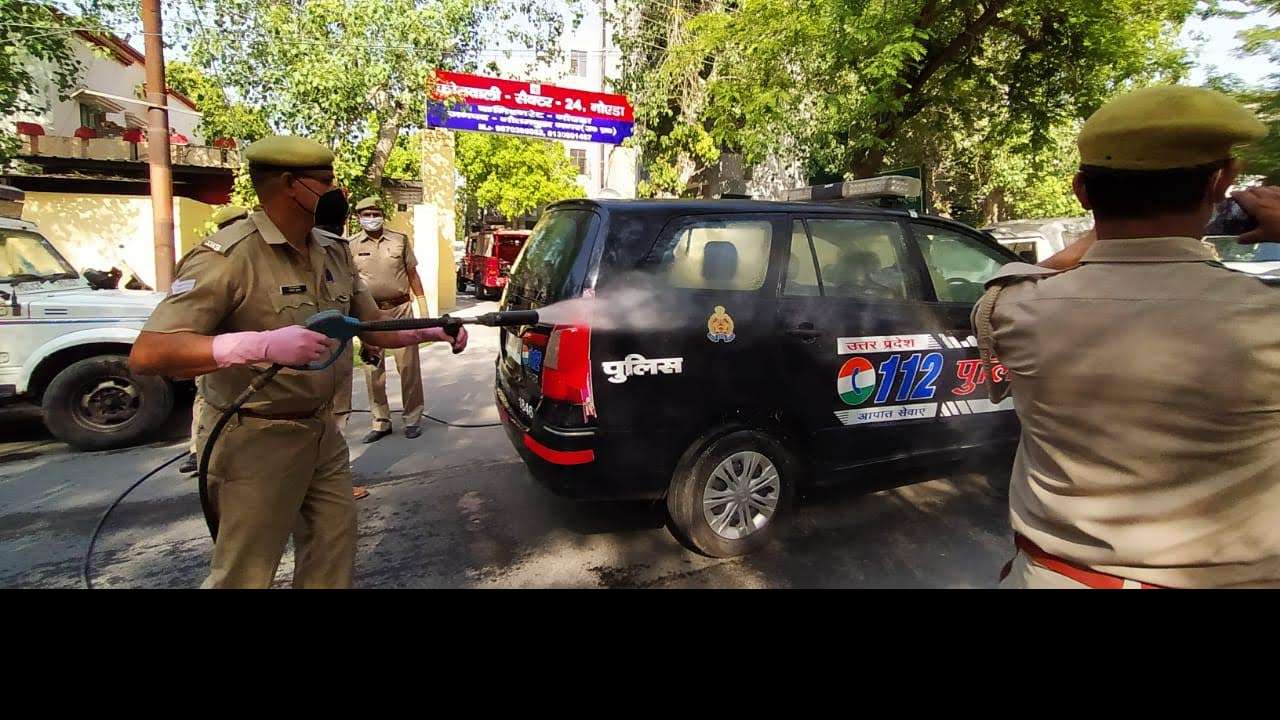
726 498
98 403
461 283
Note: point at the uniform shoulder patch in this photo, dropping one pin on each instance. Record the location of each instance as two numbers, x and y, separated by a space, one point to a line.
228 237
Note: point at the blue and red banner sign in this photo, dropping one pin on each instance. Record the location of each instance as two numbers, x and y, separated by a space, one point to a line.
483 104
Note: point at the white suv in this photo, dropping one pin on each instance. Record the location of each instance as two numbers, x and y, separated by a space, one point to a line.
65 345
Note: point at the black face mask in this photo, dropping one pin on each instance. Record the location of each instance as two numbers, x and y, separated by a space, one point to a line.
331 208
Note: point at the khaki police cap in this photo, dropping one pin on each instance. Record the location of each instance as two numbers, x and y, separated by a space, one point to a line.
370 202
288 152
1166 127
227 213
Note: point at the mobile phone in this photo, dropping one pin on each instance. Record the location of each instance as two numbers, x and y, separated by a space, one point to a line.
1229 218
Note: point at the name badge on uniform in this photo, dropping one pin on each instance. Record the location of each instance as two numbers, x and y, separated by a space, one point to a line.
365 254
292 289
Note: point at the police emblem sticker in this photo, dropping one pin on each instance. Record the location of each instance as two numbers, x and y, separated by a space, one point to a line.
720 326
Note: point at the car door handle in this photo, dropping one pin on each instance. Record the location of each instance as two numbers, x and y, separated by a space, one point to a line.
805 331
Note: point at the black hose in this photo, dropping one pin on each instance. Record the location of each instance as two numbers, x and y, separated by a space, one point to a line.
435 419
461 425
93 539
206 504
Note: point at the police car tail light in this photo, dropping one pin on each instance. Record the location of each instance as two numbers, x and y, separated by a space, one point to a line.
566 369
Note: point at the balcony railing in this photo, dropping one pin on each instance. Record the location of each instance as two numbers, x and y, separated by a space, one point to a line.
117 149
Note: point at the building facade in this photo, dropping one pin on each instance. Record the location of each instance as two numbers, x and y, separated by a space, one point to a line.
588 60
83 162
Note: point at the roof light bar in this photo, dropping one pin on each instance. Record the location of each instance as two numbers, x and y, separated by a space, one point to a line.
889 186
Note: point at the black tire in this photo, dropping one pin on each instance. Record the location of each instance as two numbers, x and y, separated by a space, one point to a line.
98 404
461 283
685 497
482 292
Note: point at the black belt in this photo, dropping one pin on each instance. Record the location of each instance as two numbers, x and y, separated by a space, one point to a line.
393 302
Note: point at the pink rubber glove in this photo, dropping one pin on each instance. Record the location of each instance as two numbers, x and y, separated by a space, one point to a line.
417 337
292 345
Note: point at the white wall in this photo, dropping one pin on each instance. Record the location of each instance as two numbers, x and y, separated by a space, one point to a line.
103 73
608 166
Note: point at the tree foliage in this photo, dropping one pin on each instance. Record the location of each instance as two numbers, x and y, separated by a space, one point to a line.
220 116
1261 158
855 86
352 73
514 175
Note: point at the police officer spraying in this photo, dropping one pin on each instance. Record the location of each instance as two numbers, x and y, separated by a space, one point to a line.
1146 374
280 467
388 266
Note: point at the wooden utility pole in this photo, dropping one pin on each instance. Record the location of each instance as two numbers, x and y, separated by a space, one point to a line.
158 145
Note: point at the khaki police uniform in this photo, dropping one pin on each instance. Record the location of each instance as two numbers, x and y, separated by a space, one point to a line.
1147 382
222 217
281 466
385 264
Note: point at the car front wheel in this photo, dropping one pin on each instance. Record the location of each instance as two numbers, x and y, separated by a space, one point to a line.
98 403
726 499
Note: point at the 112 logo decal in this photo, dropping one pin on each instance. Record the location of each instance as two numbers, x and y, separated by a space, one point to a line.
857 379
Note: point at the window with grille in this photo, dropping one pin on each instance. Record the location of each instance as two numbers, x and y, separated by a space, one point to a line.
578 63
579 158
92 117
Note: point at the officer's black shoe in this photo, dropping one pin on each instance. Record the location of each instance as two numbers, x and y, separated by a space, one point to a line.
188 465
375 435
412 431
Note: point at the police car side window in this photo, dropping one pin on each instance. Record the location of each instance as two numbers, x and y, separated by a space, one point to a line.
958 265
860 258
718 255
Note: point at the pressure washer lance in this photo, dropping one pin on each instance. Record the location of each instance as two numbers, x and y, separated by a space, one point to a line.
337 326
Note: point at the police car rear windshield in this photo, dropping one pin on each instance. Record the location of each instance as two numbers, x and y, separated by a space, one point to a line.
1232 251
26 256
544 272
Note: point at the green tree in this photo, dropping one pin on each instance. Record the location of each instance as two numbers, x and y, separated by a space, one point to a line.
858 85
514 175
352 73
1261 158
220 116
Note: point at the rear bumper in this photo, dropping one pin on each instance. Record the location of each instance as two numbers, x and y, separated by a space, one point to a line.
568 463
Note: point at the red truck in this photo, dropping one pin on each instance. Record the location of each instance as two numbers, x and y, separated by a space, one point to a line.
487 260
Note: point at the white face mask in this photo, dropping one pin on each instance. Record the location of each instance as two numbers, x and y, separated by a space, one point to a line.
371 223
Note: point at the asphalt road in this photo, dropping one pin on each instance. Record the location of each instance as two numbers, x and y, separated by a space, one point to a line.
456 508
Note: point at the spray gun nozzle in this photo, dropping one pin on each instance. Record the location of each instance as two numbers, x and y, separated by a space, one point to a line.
509 318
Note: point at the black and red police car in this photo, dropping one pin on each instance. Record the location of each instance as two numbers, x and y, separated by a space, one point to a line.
719 353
